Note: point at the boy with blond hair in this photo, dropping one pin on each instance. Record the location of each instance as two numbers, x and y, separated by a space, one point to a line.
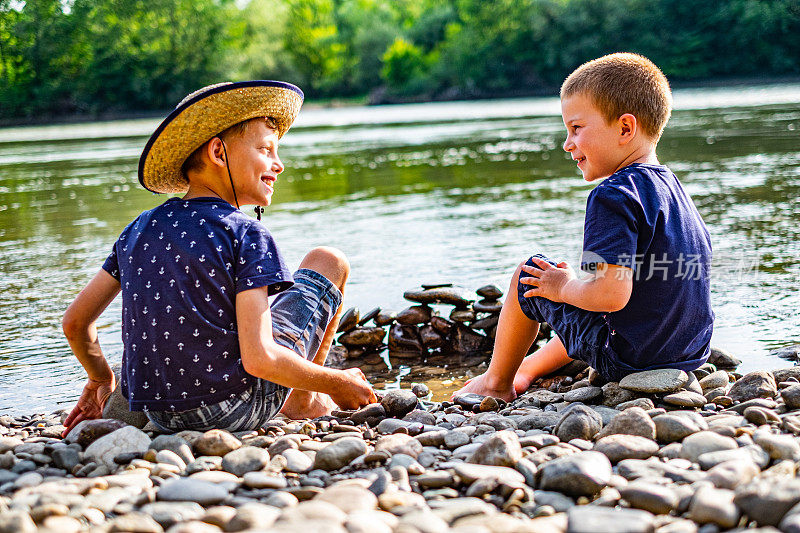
202 346
643 301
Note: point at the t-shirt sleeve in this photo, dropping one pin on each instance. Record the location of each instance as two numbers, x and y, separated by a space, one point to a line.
611 229
111 264
260 263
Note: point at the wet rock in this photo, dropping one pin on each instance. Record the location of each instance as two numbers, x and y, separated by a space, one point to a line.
468 400
216 442
756 384
714 506
442 326
489 292
430 337
500 449
632 421
405 342
340 453
464 340
486 324
578 422
723 359
463 316
363 337
580 474
439 295
620 447
245 459
489 404
349 320
487 306
421 390
414 315
659 381
371 414
399 402
384 318
125 440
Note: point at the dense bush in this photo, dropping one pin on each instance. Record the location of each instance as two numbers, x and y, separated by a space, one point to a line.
97 56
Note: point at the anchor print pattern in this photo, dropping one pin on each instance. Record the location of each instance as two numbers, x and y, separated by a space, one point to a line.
181 265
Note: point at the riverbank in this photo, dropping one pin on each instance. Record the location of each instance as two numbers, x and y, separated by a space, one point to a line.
383 99
662 451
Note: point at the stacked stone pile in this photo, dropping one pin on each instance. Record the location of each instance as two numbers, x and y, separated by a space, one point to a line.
420 331
661 451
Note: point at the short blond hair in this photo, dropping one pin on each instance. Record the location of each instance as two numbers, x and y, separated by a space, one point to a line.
624 83
195 160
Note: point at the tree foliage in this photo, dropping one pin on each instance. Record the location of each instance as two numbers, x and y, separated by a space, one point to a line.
61 57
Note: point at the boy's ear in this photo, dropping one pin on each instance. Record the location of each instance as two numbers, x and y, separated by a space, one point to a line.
628 127
214 152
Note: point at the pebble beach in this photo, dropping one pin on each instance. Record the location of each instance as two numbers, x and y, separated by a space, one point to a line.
661 451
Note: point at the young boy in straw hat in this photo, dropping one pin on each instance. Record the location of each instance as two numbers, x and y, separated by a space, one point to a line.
644 302
202 346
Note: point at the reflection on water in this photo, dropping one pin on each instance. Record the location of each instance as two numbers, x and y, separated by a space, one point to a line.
448 191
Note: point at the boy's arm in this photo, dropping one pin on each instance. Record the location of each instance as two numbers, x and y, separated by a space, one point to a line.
81 332
264 358
605 292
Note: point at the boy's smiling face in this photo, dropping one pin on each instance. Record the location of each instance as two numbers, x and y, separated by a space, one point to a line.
254 163
593 141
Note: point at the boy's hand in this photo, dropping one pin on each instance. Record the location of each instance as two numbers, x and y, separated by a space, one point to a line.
90 404
546 280
356 392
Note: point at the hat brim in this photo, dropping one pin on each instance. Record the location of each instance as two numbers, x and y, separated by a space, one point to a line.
206 114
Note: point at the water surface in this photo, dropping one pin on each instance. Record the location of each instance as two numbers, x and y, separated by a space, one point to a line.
458 191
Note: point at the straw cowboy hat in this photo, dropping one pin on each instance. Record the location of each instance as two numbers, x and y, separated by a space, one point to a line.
204 114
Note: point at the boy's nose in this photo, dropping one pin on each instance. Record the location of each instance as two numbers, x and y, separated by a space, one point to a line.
277 165
568 145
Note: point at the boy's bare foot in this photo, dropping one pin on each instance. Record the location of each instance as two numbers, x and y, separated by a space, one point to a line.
307 404
480 385
522 382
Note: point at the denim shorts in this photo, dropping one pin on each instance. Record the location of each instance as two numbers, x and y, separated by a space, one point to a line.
585 334
300 316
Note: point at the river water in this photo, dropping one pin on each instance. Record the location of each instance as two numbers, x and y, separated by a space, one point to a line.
458 191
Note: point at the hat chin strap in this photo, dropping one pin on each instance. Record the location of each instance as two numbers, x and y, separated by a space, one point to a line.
259 210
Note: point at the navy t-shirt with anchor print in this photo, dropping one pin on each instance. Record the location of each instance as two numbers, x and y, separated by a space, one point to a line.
180 266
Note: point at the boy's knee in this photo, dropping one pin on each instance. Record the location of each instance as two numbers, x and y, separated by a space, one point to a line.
328 261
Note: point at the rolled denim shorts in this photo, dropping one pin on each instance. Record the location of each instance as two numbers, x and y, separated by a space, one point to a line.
584 333
300 316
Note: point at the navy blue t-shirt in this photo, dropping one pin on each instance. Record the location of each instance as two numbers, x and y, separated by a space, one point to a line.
642 218
180 266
